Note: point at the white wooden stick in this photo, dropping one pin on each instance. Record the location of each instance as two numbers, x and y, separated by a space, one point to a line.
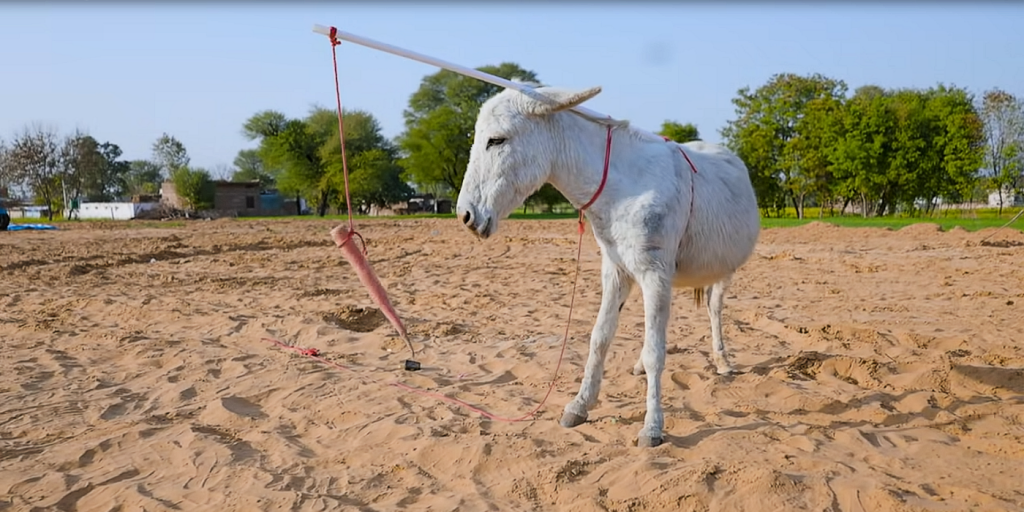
462 70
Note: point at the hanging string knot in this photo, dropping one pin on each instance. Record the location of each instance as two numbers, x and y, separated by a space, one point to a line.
354 234
334 37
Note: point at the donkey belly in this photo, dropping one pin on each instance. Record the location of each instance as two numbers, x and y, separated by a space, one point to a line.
697 280
707 256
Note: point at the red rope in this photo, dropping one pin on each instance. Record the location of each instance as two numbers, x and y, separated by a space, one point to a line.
313 353
341 138
604 177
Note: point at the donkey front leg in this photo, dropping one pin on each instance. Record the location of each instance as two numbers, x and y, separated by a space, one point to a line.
657 292
615 288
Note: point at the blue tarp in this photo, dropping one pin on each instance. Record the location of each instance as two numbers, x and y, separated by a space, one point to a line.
20 227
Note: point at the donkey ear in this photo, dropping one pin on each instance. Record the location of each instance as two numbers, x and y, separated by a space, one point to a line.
557 99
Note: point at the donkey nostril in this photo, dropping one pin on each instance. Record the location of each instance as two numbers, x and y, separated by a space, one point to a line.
466 217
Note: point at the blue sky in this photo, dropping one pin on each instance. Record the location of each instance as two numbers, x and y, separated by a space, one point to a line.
128 72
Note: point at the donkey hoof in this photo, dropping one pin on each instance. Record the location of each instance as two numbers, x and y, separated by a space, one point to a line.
571 419
639 370
648 442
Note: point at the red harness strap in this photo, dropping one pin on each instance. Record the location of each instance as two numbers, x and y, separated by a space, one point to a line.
604 176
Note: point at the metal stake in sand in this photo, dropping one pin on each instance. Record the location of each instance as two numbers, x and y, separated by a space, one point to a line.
462 70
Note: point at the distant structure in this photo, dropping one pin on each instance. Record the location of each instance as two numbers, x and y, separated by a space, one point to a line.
240 199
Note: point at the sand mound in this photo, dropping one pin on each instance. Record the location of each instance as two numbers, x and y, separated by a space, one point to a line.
921 228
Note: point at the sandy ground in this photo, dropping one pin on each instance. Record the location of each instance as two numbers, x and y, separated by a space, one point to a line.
880 370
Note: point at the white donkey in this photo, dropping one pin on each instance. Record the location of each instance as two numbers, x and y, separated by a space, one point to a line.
642 220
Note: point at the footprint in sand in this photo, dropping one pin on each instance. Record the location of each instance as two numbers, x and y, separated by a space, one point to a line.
242 407
355 318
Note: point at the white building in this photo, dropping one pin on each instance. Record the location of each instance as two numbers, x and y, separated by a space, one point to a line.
1010 198
112 211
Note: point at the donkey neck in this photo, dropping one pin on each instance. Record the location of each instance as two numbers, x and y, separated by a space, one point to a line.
579 165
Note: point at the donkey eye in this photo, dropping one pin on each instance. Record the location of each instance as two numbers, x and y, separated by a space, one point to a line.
497 141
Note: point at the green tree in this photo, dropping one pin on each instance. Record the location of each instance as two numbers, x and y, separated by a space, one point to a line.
766 136
812 150
1003 117
308 154
891 149
169 154
547 197
375 178
142 177
115 175
958 141
679 132
93 170
36 151
294 147
263 127
83 168
439 123
862 133
249 166
194 186
264 124
9 174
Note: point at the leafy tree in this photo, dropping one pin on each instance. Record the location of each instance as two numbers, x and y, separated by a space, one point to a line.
679 132
36 152
84 168
958 143
194 186
439 123
264 124
375 178
860 152
170 154
438 190
249 166
547 197
293 146
8 174
308 154
766 135
1003 117
812 150
142 177
12 175
115 175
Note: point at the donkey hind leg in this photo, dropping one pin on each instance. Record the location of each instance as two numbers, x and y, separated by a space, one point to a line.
615 287
657 292
715 300
699 296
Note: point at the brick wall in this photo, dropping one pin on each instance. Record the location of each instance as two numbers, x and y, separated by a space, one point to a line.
240 198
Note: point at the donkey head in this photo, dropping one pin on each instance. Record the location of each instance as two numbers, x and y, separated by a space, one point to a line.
516 144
